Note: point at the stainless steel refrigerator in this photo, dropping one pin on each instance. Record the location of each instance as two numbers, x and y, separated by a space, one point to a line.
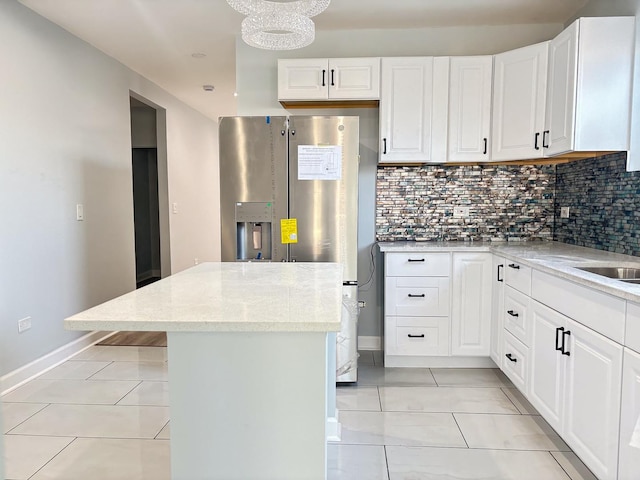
303 170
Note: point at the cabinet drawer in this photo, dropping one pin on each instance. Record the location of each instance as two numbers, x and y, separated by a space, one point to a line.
417 264
599 311
416 296
416 336
516 315
518 276
515 360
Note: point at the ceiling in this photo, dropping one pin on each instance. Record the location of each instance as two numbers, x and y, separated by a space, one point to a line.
157 38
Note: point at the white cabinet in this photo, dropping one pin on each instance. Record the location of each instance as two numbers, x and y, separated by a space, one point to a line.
471 305
589 86
329 79
629 458
469 108
519 95
497 303
575 384
413 109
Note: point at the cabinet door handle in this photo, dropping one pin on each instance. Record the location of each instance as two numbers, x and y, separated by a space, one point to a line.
416 260
513 265
485 146
411 295
332 75
567 333
324 74
415 336
535 143
558 330
545 138
500 268
512 313
510 357
384 146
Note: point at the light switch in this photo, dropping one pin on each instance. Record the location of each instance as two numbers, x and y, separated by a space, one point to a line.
79 212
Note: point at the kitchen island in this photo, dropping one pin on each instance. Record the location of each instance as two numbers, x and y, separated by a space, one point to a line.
248 376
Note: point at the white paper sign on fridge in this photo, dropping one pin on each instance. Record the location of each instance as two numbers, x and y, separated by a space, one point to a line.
319 162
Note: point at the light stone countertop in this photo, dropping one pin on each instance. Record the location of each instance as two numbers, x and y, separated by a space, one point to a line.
557 258
227 297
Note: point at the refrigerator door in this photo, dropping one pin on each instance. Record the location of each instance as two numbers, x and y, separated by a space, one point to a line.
325 204
253 168
347 337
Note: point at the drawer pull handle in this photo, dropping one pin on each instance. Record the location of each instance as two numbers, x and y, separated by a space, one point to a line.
513 265
411 295
416 259
558 330
565 352
510 357
512 313
415 336
500 267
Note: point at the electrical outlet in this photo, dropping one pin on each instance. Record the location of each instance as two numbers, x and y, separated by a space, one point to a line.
196 261
460 212
174 207
564 212
24 324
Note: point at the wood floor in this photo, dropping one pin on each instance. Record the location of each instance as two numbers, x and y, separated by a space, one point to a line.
138 339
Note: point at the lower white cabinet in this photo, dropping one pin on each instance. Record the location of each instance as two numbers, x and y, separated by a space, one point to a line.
575 384
629 464
471 305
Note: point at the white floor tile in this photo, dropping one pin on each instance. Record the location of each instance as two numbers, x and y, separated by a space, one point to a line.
516 432
521 403
26 455
365 357
419 463
574 467
356 462
378 358
71 391
445 399
13 414
157 371
358 398
73 371
395 376
470 377
123 354
107 421
148 393
103 459
395 428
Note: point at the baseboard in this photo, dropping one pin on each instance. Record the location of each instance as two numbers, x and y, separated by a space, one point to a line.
369 343
334 429
438 362
22 375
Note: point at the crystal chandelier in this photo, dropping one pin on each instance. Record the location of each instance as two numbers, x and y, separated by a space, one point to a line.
278 25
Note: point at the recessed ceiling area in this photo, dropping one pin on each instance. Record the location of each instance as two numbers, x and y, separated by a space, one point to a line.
157 38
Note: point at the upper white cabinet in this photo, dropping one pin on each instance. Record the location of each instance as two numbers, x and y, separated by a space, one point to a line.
470 108
519 95
413 109
589 86
329 79
471 306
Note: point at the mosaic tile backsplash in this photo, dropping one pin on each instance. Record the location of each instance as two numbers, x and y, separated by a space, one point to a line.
504 202
604 204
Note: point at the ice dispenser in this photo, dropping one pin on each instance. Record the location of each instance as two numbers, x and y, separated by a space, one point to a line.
253 230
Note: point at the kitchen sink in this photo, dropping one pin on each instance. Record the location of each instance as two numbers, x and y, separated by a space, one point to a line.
626 274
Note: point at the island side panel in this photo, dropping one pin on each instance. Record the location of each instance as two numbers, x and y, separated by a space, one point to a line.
248 405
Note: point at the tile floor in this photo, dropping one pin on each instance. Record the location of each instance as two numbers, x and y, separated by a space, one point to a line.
103 415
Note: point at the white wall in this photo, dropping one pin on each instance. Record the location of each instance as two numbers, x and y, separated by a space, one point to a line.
65 139
256 74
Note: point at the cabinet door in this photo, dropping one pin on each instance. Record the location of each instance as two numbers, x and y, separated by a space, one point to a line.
497 303
561 92
629 465
546 388
354 78
406 109
471 304
303 79
592 399
519 92
470 108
